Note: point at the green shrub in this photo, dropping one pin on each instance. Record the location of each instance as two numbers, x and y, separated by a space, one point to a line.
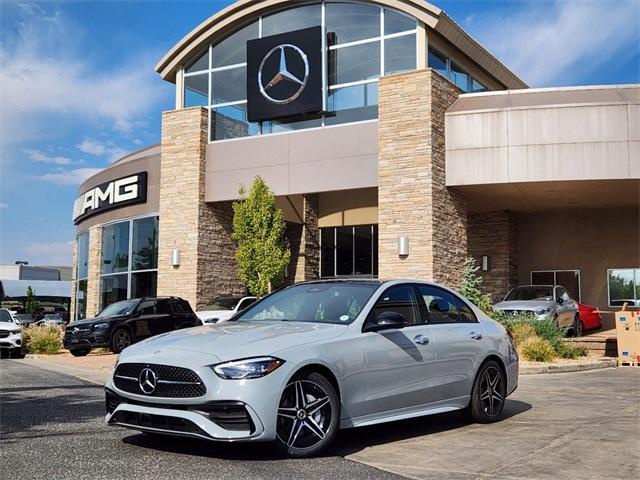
567 350
46 339
550 331
538 349
521 332
471 286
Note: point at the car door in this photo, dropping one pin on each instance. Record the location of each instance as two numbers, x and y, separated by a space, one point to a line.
400 363
164 320
567 309
459 342
183 316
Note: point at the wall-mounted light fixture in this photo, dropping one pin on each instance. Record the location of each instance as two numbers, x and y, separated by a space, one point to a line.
403 246
486 263
175 257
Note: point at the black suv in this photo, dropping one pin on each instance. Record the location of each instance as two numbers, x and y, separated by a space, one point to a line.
129 321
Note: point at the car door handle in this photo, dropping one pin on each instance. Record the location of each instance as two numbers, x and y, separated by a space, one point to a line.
421 340
476 336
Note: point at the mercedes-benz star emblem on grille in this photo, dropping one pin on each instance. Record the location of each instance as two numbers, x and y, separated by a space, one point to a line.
147 381
75 330
283 74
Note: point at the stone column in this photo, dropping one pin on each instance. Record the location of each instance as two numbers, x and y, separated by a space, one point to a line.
200 231
94 266
305 241
74 277
413 199
494 234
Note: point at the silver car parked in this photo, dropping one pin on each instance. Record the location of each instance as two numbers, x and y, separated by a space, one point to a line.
544 301
312 358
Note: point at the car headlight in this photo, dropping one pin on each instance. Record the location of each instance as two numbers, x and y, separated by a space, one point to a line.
543 311
14 332
100 326
248 368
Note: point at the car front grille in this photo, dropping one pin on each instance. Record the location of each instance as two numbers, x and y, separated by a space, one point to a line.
161 422
4 333
172 382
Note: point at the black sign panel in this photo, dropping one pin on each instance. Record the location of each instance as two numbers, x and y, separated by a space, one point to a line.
284 75
118 193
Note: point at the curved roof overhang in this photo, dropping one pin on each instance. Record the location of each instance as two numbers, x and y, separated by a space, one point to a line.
228 19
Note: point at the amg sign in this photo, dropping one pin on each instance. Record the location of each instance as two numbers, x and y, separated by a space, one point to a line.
109 195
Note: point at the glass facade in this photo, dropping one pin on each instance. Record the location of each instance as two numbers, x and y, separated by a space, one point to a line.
363 43
449 69
349 251
624 287
129 261
82 273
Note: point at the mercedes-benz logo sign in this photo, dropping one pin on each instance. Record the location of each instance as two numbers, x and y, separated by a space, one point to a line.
283 74
75 330
147 381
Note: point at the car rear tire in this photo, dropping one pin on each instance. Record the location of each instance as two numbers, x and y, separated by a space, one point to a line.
120 340
308 416
489 393
578 326
80 352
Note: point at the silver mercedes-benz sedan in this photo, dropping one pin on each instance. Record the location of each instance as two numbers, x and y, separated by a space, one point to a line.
313 358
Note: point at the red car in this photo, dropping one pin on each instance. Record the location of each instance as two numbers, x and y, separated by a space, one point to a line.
589 316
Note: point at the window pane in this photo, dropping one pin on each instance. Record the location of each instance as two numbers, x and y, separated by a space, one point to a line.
81 300
395 22
292 19
348 22
344 251
399 54
459 77
570 280
293 123
229 85
375 250
543 278
201 63
233 49
440 304
196 92
145 244
352 64
476 86
143 284
115 248
231 122
438 62
621 288
363 250
400 300
637 288
113 289
328 255
82 259
352 104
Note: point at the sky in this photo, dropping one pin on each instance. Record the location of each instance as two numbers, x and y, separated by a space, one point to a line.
78 89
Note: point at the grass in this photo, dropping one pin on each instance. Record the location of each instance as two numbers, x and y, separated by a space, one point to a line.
538 349
43 339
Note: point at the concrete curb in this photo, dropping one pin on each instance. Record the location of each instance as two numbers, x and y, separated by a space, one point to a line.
566 368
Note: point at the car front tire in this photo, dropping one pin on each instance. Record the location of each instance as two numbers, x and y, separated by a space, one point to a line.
120 340
80 352
489 393
308 416
578 326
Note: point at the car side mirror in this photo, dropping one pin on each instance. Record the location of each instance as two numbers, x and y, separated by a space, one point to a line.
560 300
386 321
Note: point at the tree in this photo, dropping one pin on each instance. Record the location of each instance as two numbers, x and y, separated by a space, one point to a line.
471 286
263 251
32 303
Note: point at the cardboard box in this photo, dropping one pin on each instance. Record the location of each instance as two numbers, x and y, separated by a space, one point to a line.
628 333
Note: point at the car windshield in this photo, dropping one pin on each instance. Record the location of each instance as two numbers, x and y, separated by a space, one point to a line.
337 303
530 293
119 308
228 303
5 316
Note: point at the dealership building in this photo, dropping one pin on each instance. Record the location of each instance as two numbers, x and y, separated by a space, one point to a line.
396 146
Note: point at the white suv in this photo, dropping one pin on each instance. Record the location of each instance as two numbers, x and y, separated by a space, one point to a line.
10 335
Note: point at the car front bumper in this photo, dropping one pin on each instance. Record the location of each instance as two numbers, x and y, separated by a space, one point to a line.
12 341
95 340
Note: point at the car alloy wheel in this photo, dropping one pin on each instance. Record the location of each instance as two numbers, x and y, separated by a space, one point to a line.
121 340
307 416
578 327
489 393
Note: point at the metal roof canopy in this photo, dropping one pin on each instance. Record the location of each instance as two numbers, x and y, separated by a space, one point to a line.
43 290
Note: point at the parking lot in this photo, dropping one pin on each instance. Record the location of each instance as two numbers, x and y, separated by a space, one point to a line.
570 426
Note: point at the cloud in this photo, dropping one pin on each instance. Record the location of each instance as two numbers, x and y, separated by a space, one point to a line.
4 206
38 156
561 42
69 177
54 253
46 71
97 148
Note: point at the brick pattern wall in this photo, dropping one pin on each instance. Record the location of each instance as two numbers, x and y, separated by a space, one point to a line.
74 285
311 236
495 234
200 231
94 266
413 200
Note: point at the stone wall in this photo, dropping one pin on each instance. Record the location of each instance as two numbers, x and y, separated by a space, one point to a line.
74 277
305 241
200 231
94 267
495 234
413 199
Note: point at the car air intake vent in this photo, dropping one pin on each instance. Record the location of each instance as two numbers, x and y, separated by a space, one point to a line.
158 380
229 415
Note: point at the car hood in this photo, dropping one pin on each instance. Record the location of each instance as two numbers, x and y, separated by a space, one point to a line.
530 305
8 325
207 314
233 340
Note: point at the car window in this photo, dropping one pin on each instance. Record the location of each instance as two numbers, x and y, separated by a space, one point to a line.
147 307
163 306
564 295
245 303
5 316
441 306
399 299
